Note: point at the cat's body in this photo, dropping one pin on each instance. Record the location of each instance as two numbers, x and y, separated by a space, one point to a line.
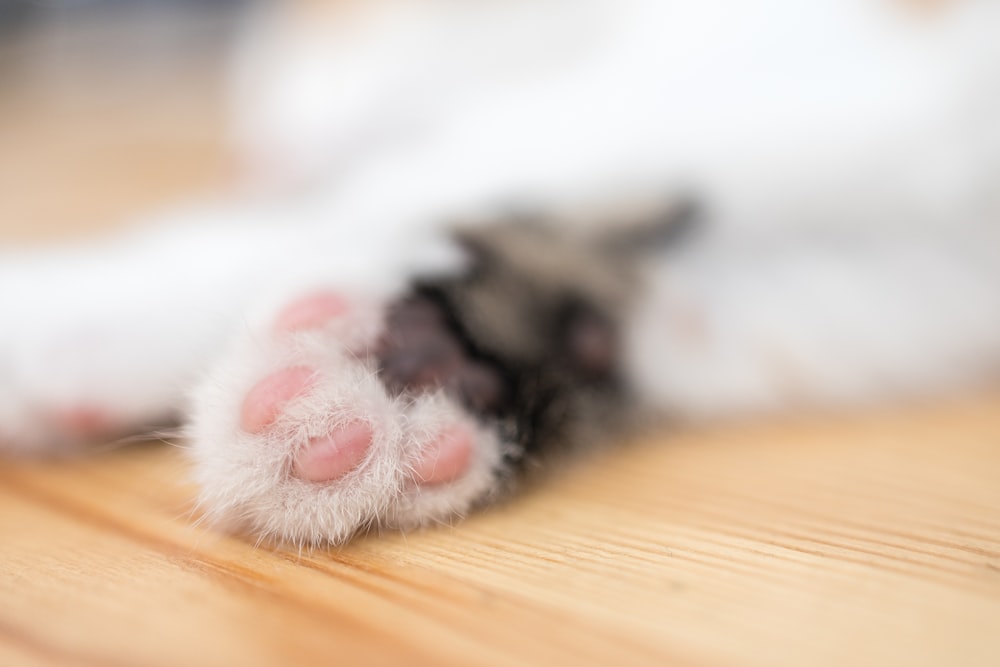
844 157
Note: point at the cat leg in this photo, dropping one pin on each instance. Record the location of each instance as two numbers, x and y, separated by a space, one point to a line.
348 407
741 325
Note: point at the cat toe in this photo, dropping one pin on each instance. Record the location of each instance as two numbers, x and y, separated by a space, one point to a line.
329 457
262 404
445 458
311 311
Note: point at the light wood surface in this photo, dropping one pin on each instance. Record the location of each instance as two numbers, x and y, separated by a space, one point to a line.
870 539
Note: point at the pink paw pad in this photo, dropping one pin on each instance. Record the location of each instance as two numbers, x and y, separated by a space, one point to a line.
332 456
85 421
444 459
264 401
311 312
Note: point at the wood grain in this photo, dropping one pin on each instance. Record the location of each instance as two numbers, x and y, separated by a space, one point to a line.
871 539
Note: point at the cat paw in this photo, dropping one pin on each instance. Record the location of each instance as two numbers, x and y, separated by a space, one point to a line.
338 414
93 347
64 389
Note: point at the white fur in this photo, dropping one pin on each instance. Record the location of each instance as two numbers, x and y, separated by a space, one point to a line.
847 150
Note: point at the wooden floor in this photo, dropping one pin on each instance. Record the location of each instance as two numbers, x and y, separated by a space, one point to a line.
865 540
